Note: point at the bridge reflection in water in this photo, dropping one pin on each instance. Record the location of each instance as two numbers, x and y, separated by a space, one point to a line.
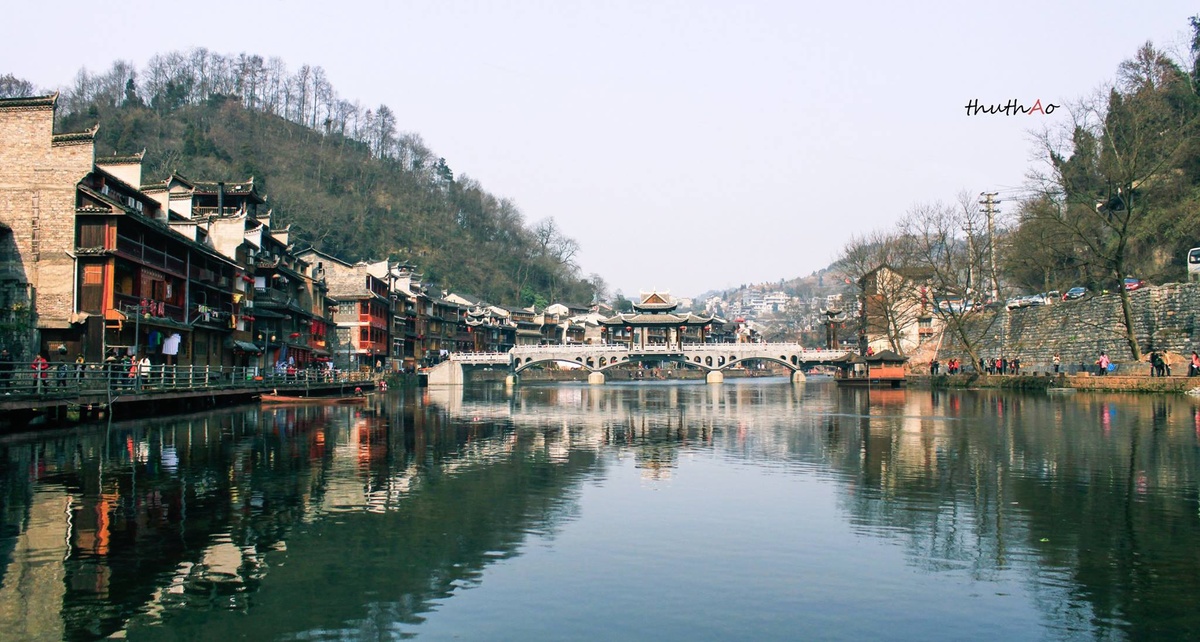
466 511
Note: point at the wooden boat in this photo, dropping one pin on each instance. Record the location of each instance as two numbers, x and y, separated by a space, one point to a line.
276 399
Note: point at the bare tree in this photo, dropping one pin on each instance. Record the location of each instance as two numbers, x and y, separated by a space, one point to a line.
949 245
1103 168
13 87
889 290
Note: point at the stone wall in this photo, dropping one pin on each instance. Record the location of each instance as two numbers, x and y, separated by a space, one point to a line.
1166 317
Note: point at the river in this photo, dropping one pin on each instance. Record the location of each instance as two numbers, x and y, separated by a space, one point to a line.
756 510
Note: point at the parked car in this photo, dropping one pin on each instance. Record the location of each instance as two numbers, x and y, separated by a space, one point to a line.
1132 284
1077 292
1026 301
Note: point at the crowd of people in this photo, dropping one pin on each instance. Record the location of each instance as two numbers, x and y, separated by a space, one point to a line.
1159 360
993 366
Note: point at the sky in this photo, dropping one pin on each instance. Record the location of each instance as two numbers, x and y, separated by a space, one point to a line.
687 146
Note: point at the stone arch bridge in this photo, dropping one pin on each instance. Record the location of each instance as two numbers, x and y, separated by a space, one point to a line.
596 359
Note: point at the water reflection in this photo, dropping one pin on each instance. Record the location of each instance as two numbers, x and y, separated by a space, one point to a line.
326 522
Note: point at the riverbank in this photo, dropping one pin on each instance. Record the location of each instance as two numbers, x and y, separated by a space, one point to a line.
1108 383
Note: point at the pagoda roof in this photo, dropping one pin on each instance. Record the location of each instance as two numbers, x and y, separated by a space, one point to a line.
660 319
655 301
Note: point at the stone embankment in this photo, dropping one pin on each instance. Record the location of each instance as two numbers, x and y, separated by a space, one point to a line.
1109 383
1166 317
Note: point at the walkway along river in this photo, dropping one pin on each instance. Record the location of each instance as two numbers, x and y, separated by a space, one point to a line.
72 392
654 510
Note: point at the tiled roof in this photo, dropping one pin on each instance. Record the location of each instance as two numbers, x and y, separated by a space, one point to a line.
75 138
28 102
657 319
127 159
231 187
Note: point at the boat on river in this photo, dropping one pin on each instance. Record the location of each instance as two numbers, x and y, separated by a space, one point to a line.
278 399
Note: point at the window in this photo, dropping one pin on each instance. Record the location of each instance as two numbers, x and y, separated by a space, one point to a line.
91 234
91 295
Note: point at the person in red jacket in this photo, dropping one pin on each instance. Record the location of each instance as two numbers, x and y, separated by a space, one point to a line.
40 371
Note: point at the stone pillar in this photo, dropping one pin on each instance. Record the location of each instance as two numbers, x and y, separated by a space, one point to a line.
446 373
798 377
596 378
715 376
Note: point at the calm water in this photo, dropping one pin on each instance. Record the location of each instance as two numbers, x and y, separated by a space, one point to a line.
638 511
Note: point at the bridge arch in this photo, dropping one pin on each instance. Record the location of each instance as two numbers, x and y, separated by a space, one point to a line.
642 358
521 365
781 360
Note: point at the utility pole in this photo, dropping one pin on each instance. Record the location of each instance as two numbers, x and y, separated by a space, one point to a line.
989 206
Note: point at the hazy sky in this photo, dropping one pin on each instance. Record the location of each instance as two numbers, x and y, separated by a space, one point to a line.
686 145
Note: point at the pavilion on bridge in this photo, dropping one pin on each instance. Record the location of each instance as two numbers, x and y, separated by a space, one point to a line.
654 322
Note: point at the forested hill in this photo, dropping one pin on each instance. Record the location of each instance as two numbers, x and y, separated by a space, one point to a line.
344 177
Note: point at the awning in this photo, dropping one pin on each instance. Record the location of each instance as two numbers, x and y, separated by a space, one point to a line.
246 346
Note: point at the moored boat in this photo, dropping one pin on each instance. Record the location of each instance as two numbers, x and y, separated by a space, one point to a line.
285 399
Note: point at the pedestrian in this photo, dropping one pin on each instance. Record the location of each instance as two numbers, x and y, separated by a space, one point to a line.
40 366
61 374
1194 365
143 367
1057 362
1102 364
79 367
1016 365
7 365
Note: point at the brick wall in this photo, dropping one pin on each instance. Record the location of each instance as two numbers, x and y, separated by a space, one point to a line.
37 201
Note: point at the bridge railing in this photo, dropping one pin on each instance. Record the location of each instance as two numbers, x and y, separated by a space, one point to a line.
580 347
480 357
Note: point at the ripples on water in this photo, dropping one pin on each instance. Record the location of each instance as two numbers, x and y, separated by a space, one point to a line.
751 510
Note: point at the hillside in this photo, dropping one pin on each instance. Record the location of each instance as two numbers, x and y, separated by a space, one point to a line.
344 178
